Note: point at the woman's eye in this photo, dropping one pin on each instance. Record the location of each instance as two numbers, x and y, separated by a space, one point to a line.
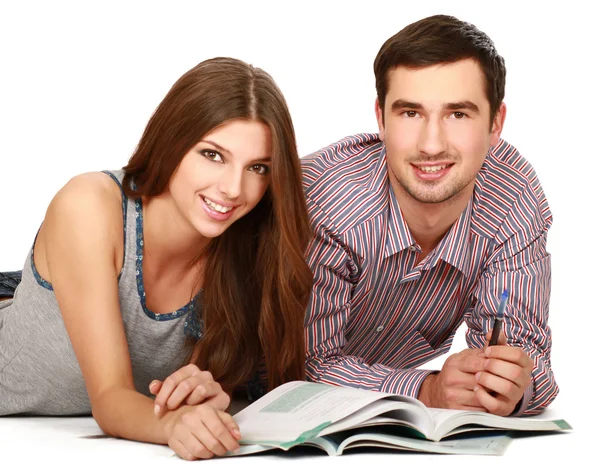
260 169
212 155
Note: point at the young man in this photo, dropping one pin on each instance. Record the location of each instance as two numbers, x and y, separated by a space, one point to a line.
423 227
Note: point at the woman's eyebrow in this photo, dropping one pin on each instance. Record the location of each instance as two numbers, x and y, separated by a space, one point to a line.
216 145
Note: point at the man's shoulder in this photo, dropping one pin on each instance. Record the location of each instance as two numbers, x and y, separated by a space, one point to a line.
508 160
508 195
342 160
345 182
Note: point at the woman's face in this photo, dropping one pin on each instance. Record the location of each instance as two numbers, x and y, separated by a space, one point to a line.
223 176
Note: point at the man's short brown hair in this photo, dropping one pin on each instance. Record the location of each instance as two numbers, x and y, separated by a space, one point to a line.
436 40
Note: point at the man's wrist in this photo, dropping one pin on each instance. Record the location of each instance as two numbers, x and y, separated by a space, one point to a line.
425 394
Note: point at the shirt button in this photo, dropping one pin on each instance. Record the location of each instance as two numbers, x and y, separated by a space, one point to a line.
412 248
379 328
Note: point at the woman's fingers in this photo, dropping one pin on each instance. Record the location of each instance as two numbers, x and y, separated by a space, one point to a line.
203 433
180 385
155 386
228 420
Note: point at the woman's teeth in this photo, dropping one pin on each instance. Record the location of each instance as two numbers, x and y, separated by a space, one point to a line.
217 207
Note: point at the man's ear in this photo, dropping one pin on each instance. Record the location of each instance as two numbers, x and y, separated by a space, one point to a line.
498 125
379 115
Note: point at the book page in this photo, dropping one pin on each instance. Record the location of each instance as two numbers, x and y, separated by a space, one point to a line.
448 422
297 411
391 410
479 445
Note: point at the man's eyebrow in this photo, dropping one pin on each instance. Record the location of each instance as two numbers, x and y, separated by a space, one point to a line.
468 105
465 105
402 104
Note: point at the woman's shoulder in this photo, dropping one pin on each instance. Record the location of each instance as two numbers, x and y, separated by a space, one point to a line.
83 223
88 201
92 183
89 190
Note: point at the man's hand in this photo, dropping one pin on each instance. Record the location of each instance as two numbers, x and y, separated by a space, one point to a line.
453 387
504 379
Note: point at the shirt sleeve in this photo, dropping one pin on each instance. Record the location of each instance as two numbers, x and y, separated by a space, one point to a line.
523 268
336 271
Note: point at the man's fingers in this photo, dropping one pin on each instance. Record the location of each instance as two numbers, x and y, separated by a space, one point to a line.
459 398
510 371
471 363
496 405
457 380
510 354
499 385
501 338
479 409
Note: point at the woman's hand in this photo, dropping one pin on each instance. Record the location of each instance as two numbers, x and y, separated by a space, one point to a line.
202 432
191 386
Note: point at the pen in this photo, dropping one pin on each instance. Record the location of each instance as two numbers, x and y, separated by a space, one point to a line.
499 319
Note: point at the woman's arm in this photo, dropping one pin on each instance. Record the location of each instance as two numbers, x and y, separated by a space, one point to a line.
81 239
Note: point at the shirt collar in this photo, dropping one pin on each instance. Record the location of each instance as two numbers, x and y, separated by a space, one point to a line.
398 236
454 247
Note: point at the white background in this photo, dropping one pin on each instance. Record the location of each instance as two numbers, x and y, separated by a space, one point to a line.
79 80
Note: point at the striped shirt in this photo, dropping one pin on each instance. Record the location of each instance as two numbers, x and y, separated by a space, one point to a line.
375 315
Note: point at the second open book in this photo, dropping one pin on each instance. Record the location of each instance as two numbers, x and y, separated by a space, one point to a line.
339 418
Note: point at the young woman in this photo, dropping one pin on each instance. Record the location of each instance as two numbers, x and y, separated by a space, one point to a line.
191 254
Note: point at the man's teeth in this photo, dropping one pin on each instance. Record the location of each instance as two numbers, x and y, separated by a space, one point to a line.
433 168
217 207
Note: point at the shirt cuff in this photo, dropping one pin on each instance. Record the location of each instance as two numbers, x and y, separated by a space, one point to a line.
522 406
405 382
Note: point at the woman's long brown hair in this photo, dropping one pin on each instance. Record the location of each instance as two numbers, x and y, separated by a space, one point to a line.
256 280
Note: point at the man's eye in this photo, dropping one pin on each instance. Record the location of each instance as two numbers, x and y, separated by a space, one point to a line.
411 113
459 115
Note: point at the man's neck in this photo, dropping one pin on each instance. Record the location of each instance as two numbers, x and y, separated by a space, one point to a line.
429 222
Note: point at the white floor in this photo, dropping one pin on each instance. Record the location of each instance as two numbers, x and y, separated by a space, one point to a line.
73 442
79 441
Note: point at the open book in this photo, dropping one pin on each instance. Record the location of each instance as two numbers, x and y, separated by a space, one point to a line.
339 418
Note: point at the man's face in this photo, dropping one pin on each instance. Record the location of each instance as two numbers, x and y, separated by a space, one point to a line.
437 130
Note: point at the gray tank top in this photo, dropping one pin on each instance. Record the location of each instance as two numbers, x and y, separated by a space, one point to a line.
39 373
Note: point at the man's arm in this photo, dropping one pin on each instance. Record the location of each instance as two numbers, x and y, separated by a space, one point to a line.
522 267
335 274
